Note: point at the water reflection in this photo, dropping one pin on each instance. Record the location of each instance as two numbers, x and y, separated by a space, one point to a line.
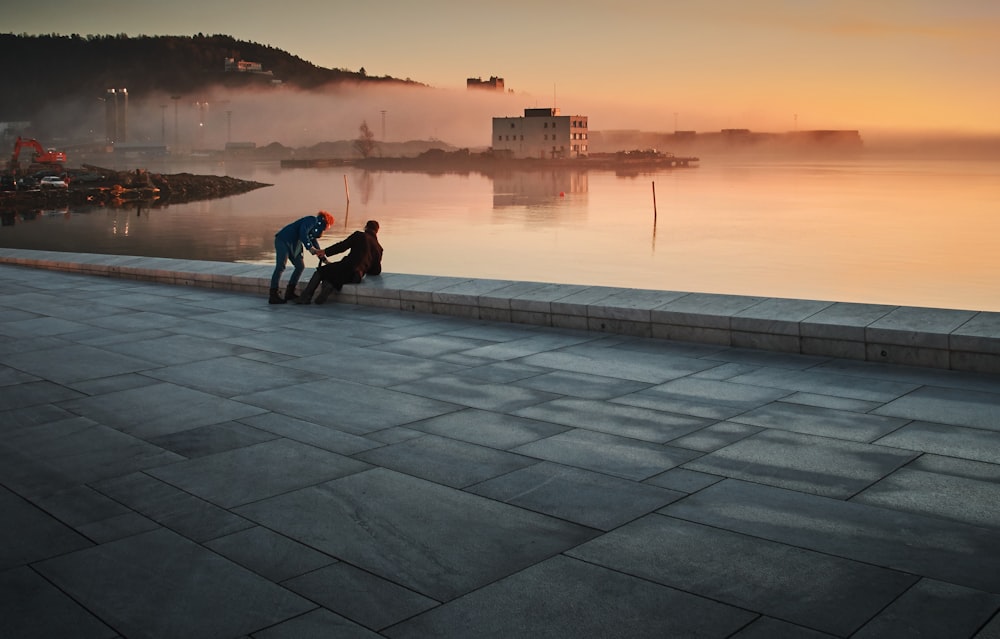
537 188
883 232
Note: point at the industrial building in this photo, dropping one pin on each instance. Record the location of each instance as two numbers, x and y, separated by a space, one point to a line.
493 84
542 134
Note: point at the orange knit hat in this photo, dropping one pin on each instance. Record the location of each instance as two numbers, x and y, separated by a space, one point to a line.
326 216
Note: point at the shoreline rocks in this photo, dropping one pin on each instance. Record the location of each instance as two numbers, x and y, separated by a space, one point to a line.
106 187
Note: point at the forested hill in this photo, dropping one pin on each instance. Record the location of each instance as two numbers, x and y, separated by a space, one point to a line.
39 70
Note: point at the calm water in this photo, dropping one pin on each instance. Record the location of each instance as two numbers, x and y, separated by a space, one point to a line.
867 230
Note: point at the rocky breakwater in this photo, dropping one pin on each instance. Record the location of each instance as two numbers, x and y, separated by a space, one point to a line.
105 187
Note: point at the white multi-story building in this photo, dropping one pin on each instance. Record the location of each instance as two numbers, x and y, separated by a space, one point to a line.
541 133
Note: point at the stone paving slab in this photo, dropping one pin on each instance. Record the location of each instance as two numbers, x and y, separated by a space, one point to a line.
943 495
615 419
159 409
915 544
711 562
269 554
629 607
716 436
704 398
315 402
496 430
360 596
815 420
72 452
445 461
805 463
252 473
948 406
932 609
201 464
33 608
133 583
437 541
49 536
584 497
610 454
172 508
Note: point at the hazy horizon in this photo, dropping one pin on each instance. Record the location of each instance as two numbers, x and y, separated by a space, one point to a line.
888 68
394 113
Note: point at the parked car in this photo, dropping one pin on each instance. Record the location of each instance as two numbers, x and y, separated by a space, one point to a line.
52 182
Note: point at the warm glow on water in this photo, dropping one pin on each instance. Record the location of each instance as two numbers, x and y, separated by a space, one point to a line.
881 231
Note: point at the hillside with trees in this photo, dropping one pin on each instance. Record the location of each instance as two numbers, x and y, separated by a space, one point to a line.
51 69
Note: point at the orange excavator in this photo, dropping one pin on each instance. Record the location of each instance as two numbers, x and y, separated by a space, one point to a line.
46 158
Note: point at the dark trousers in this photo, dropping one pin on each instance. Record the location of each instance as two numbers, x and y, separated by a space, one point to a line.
338 274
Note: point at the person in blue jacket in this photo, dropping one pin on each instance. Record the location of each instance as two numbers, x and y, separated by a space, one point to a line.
288 245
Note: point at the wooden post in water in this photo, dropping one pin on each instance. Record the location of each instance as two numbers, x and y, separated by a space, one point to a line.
654 202
347 191
654 216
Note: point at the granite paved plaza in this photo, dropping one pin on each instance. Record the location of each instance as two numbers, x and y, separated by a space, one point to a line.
184 462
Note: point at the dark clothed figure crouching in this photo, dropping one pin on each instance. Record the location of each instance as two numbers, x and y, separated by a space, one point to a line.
364 257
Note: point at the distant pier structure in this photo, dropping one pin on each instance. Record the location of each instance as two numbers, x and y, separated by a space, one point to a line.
844 138
730 140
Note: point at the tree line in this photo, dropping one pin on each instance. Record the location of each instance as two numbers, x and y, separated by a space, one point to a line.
48 69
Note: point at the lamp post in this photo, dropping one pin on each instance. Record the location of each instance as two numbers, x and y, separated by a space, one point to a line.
175 98
202 108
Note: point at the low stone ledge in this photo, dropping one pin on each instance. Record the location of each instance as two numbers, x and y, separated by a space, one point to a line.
927 337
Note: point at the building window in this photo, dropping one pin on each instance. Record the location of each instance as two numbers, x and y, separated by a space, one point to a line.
512 125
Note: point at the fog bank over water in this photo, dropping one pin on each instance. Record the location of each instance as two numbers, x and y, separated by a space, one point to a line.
458 117
295 118
934 145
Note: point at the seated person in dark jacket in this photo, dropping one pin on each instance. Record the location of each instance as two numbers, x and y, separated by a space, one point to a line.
364 257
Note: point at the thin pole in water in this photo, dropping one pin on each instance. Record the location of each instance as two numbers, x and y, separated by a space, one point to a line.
654 201
347 191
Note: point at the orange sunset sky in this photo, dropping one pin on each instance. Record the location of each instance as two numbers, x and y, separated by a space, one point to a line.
768 65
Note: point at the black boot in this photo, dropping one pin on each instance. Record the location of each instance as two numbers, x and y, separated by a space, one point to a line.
274 298
290 295
307 294
324 292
